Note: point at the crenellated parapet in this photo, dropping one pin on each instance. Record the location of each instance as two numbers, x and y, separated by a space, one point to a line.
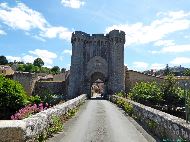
84 38
116 36
78 37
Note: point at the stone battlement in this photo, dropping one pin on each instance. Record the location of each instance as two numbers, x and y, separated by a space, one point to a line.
79 36
116 33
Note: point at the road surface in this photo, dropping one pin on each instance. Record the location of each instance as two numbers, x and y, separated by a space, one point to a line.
99 121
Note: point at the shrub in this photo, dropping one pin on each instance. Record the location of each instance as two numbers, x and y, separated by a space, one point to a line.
35 99
173 96
56 125
128 108
146 93
121 94
12 95
51 99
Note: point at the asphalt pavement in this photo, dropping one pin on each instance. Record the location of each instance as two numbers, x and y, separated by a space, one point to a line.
100 121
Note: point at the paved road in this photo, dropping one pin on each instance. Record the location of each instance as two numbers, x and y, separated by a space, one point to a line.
99 121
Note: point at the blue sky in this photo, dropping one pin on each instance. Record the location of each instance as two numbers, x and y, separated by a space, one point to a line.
157 31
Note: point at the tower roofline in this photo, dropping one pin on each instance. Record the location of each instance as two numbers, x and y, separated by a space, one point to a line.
112 33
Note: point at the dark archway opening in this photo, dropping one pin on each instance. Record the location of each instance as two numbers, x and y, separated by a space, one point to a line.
98 86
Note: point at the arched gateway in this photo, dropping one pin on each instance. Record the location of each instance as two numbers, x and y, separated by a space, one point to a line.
97 56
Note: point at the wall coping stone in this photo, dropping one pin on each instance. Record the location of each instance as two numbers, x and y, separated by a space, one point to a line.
175 127
29 128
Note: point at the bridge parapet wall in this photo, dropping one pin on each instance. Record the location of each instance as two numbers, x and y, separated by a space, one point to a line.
27 130
162 124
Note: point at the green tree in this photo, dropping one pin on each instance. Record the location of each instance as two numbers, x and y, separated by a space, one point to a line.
55 70
146 93
63 70
167 70
29 67
12 96
187 72
173 96
21 67
38 62
3 60
37 69
44 70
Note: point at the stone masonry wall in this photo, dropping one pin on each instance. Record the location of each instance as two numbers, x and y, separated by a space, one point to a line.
28 129
49 87
132 77
163 124
27 80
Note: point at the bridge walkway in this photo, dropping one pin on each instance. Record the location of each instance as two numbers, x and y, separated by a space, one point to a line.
101 121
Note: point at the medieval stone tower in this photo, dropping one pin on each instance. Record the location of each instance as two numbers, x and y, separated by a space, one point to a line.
97 56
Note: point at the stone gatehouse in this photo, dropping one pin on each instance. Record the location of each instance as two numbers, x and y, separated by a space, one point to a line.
97 56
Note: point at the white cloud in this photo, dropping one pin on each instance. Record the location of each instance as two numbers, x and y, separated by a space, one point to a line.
23 18
165 24
72 3
140 65
176 49
2 32
28 58
173 49
13 58
67 52
164 43
45 55
39 38
68 66
180 61
53 32
157 66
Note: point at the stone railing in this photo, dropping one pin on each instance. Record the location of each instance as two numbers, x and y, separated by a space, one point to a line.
164 125
28 129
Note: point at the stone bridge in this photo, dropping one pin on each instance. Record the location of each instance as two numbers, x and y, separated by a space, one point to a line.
98 120
98 57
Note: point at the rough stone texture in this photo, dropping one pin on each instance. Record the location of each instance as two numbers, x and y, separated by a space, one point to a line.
28 129
132 77
97 56
27 80
60 77
167 125
12 131
49 87
32 85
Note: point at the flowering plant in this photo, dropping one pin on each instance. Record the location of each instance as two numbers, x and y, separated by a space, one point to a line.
28 111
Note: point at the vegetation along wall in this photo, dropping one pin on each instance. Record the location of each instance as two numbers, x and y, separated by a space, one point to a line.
164 125
29 129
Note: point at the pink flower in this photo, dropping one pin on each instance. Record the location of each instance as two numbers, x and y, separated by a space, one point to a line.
12 117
